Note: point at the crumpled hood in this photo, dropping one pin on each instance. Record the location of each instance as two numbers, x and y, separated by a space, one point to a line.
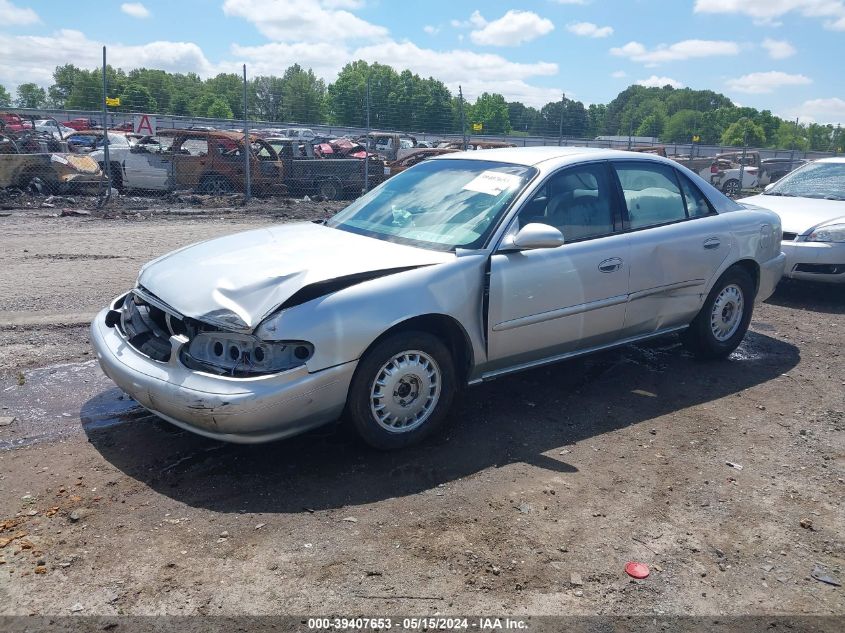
238 280
799 215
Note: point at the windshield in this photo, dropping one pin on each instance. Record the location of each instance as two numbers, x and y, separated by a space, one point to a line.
813 180
438 204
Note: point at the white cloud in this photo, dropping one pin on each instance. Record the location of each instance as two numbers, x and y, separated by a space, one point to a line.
778 49
768 11
619 74
287 21
475 20
766 82
588 29
831 110
135 9
658 82
431 30
475 72
32 58
686 49
512 29
15 15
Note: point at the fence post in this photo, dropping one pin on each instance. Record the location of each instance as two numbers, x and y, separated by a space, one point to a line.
742 162
463 123
367 143
560 127
247 147
106 161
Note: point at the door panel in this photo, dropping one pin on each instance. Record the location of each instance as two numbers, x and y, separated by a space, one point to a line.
550 301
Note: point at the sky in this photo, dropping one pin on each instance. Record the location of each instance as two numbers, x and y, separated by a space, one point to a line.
782 55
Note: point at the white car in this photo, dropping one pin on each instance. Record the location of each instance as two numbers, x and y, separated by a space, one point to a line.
56 129
728 180
298 133
811 204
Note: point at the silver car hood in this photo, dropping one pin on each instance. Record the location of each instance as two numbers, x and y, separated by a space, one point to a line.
238 280
799 215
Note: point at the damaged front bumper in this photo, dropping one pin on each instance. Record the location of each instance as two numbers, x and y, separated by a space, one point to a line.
233 409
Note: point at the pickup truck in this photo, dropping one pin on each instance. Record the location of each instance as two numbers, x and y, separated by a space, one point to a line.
331 178
13 123
390 145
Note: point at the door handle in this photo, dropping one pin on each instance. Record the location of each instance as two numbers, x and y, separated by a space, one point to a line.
712 242
610 265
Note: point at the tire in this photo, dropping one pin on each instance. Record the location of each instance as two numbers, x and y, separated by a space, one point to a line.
215 185
116 175
37 186
721 324
731 187
329 189
386 404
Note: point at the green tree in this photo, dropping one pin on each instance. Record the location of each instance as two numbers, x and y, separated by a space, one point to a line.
790 135
219 109
266 98
652 125
491 110
64 78
5 97
742 132
681 126
303 96
31 96
137 98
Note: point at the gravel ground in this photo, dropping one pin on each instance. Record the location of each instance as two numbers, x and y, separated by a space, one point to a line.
539 490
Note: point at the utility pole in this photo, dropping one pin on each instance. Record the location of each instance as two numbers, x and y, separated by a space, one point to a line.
560 128
463 123
106 161
794 139
367 146
744 152
247 147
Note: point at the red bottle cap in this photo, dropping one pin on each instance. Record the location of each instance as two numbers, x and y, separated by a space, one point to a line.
637 570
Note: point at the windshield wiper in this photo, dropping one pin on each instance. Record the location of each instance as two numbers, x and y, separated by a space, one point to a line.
778 193
833 197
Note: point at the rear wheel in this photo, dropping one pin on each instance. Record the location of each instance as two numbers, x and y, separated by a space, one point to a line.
215 185
402 390
721 324
329 189
731 187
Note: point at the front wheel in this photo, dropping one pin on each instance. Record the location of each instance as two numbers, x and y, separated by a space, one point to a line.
721 324
402 390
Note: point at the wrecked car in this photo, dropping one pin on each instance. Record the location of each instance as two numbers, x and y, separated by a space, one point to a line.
417 156
461 269
26 163
210 162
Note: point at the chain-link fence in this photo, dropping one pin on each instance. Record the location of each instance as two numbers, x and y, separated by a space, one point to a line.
153 133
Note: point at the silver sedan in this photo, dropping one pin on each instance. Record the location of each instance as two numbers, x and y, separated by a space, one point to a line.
462 269
811 204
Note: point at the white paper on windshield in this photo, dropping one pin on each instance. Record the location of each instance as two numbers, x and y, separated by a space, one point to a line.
492 182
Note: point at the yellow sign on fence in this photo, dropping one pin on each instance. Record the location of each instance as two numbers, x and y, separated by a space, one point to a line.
696 138
477 127
112 101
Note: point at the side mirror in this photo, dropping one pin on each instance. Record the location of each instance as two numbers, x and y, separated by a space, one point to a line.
533 236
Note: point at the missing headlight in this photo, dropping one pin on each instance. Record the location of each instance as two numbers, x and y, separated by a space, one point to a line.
244 355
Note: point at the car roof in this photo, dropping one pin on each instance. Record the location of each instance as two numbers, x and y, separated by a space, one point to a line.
832 159
551 156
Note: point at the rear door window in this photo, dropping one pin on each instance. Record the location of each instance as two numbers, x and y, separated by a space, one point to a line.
697 204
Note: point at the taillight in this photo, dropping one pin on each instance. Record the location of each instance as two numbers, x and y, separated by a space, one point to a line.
714 169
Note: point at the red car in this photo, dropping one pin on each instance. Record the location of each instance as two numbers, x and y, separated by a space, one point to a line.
82 124
13 123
